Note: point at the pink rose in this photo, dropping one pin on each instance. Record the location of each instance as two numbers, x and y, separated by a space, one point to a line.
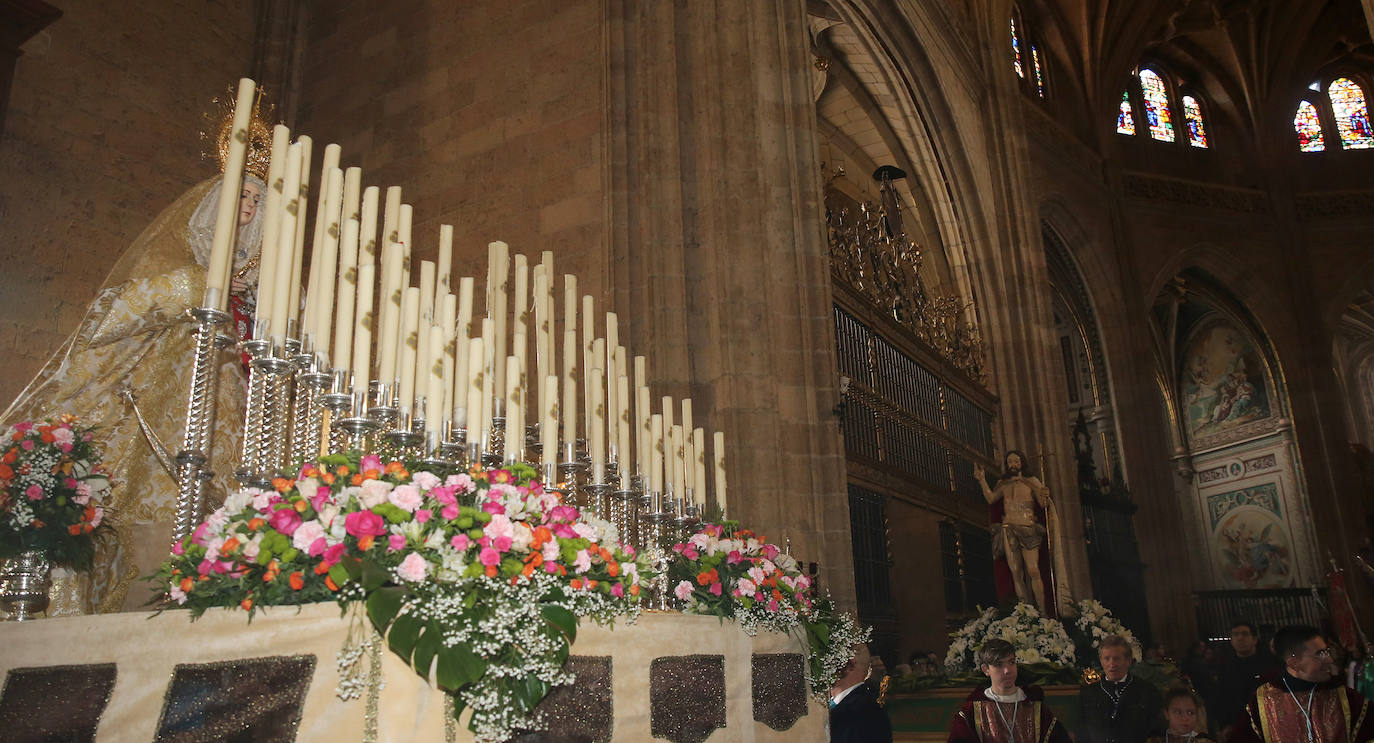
27 444
683 590
715 588
318 547
443 495
395 543
321 497
306 534
373 492
406 497
618 591
333 554
462 482
461 542
450 512
199 535
734 557
34 492
490 556
502 544
425 480
63 435
286 520
493 507
423 514
364 523
770 551
413 568
371 462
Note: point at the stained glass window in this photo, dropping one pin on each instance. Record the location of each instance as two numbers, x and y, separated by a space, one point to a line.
1039 73
1125 118
1016 50
1157 106
1309 128
1192 115
1352 114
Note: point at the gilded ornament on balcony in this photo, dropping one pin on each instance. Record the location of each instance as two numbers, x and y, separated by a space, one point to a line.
885 269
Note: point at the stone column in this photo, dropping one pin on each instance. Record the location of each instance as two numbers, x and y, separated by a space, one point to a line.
718 254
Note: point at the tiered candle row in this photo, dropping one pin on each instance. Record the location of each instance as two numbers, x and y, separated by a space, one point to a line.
441 362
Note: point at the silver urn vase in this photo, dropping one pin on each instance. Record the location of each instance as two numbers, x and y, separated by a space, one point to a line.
24 583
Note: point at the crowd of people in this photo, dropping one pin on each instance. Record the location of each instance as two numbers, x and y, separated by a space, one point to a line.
1295 688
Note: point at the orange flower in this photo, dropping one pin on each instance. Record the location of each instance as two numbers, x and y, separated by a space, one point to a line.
187 584
708 577
229 545
255 523
394 467
634 590
365 542
246 604
542 535
273 570
356 480
342 470
612 568
47 437
74 529
38 524
18 436
329 581
528 570
10 456
281 484
491 571
310 472
301 505
5 472
297 581
321 569
328 478
576 583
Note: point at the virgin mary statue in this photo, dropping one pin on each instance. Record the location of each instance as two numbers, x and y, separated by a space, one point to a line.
127 369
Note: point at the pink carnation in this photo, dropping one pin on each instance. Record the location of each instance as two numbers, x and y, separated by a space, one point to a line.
395 542
490 556
618 590
406 497
334 553
413 568
34 492
286 520
423 514
461 542
683 590
715 588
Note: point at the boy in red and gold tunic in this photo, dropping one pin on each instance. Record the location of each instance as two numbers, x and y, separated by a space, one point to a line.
1005 712
1305 704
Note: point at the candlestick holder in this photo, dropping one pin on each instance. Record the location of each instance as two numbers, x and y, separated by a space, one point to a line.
433 453
596 498
570 473
307 416
654 527
338 400
250 469
406 437
454 442
686 522
383 408
494 456
622 509
358 427
200 422
277 421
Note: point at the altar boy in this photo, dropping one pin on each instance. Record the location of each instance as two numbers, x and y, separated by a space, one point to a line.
1005 712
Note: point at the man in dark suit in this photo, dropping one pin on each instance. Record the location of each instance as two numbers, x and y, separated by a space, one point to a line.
1120 708
855 716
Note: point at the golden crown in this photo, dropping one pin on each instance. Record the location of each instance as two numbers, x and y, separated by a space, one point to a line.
219 127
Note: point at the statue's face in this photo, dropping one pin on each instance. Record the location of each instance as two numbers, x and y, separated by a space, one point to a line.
1013 463
248 202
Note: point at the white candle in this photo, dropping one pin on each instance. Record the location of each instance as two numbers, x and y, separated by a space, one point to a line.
498 254
462 332
569 302
353 187
409 344
699 467
392 216
271 225
403 227
656 453
571 388
588 343
687 469
293 304
363 323
518 341
424 359
389 313
448 309
597 442
444 279
473 388
667 406
427 282
616 370
719 451
622 429
435 412
515 421
347 293
310 323
548 421
226 218
488 379
643 444
520 299
541 334
327 259
678 464
367 233
286 245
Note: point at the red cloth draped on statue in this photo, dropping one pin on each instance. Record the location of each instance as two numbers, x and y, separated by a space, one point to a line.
1006 586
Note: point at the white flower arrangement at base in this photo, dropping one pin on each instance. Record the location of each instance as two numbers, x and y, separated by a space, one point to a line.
1037 639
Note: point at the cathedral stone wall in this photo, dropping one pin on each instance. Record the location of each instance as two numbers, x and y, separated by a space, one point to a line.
101 135
488 115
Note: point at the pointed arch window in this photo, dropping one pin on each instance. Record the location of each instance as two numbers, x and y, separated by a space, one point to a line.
1192 117
1351 113
1016 50
1039 72
1157 113
1125 117
1309 128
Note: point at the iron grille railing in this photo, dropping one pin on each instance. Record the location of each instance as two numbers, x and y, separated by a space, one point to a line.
1268 609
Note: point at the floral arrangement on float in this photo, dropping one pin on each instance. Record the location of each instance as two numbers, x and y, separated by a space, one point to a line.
729 572
1043 646
1095 622
479 578
51 487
